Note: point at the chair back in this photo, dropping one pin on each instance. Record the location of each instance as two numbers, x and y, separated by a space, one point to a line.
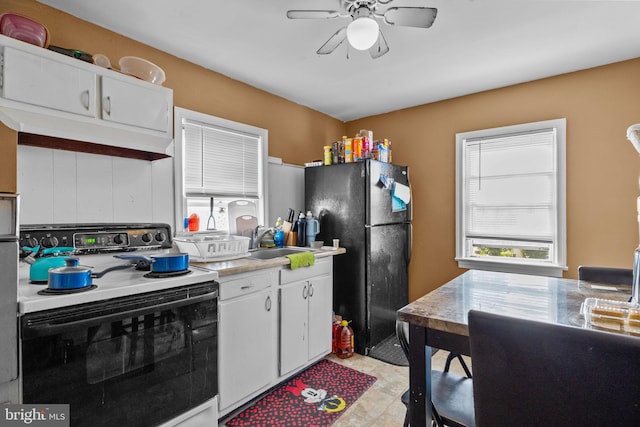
616 276
402 333
529 373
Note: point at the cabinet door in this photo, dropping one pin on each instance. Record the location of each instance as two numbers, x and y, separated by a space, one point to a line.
246 345
320 304
294 329
136 104
48 83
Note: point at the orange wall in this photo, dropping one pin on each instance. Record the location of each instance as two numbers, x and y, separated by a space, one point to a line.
599 104
602 166
8 158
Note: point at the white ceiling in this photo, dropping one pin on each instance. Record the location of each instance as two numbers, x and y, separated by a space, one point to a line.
473 45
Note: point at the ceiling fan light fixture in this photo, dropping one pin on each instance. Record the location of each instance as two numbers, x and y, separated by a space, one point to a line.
362 32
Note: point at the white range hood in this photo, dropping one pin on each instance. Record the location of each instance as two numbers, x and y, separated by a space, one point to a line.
85 132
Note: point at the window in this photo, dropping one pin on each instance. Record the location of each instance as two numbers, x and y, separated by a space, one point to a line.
510 198
219 164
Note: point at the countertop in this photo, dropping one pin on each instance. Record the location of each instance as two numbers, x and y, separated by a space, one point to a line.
243 265
549 299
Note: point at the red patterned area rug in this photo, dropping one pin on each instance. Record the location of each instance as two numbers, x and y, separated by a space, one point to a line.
313 398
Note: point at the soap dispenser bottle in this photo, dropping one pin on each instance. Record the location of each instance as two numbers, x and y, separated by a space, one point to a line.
278 236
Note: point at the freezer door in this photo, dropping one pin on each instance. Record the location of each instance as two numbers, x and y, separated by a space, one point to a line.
387 278
379 197
336 196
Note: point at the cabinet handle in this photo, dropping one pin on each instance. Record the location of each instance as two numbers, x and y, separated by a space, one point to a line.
85 99
106 105
310 290
245 287
304 292
267 304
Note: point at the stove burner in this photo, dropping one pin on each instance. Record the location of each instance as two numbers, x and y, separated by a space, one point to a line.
158 275
50 291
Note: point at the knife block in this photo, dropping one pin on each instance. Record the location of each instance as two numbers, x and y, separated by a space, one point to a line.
291 238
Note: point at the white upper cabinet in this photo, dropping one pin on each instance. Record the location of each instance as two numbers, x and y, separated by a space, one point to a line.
43 82
46 93
129 103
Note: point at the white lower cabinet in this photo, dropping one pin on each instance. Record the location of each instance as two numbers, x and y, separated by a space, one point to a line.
268 333
247 355
306 297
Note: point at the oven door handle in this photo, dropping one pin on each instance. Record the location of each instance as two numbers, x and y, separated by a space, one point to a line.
48 328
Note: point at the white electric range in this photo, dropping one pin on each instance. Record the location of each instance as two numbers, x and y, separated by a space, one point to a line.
129 349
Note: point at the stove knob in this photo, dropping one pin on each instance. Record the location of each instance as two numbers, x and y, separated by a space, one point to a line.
31 242
147 237
49 242
160 237
118 239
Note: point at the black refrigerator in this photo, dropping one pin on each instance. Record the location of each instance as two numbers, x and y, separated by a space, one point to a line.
367 206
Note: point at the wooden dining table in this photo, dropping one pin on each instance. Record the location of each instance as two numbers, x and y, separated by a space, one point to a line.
439 318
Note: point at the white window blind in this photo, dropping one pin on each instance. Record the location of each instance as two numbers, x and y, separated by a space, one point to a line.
220 162
510 202
510 187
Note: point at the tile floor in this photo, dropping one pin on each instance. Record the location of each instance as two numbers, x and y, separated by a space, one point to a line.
380 406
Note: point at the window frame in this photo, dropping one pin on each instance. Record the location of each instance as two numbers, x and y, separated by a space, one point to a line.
181 114
557 265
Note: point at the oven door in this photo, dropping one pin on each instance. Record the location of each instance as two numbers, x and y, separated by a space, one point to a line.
134 361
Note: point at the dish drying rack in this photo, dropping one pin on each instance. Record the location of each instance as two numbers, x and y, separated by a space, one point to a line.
212 246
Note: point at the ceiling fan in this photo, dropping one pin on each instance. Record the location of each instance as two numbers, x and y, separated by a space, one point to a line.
363 32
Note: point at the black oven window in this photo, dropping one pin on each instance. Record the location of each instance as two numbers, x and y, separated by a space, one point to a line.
135 370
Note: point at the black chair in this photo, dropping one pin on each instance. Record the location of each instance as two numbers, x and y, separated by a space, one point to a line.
451 394
616 276
532 374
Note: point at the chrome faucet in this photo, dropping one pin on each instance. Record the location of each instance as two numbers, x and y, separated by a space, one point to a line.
256 237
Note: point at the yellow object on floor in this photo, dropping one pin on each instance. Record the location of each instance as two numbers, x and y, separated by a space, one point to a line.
303 259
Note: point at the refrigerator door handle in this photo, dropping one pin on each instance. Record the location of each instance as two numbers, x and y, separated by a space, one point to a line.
409 242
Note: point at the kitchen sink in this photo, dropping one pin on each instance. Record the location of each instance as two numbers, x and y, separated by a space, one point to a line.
270 253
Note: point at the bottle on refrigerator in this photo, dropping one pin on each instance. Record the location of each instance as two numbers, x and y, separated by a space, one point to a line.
348 149
357 149
367 140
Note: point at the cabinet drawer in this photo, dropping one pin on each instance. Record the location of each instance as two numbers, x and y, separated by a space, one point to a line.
322 266
245 284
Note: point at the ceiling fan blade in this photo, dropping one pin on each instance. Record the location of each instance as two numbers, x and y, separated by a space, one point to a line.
333 42
380 48
312 14
419 17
